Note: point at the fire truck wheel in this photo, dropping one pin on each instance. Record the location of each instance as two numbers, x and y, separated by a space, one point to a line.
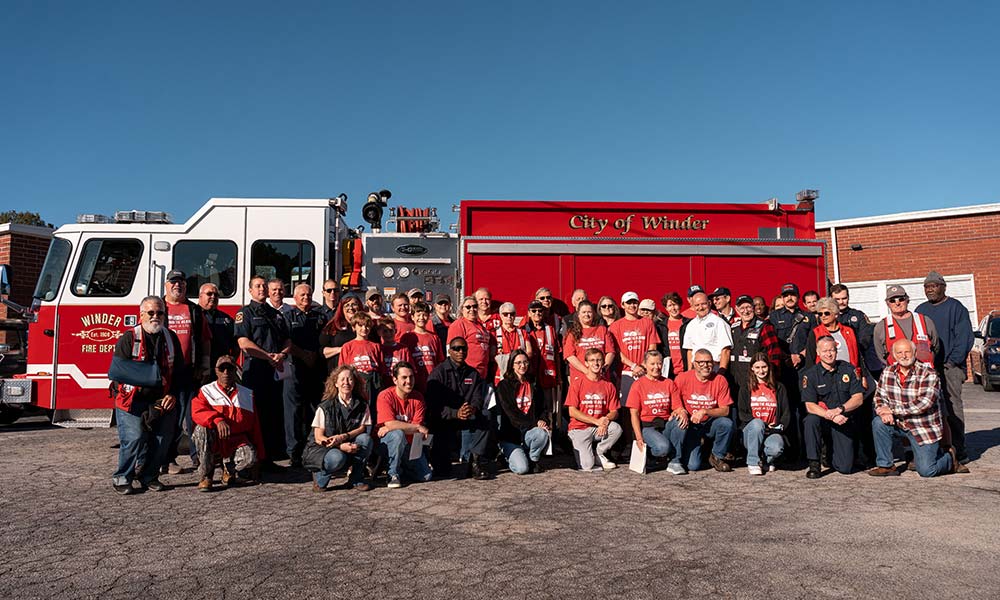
8 415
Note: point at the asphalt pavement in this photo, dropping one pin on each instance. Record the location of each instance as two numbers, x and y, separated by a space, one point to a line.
561 534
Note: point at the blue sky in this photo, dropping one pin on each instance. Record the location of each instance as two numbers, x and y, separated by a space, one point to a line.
883 106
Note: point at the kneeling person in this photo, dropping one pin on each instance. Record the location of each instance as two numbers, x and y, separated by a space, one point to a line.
593 408
339 439
401 412
907 405
764 413
524 431
226 427
650 401
831 391
703 413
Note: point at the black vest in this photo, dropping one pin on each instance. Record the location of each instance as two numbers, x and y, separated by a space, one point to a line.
339 419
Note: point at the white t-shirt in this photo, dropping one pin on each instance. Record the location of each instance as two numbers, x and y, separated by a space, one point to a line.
710 332
319 421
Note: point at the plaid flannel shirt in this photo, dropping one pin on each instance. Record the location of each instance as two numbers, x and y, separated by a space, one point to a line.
769 344
914 401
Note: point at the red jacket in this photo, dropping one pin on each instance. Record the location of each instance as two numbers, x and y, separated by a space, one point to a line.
213 405
852 344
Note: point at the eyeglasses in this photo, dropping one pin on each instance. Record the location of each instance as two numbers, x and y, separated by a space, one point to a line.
703 363
469 307
825 313
544 298
535 310
458 348
506 314
211 293
226 367
607 306
154 313
896 299
329 290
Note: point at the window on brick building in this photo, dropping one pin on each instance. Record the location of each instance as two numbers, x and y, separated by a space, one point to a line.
107 267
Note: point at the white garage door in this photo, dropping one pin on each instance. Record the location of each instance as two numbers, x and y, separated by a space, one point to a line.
869 296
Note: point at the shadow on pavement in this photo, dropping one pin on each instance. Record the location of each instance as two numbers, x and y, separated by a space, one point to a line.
978 442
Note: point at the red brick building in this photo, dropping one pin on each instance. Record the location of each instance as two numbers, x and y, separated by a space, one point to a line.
23 248
963 244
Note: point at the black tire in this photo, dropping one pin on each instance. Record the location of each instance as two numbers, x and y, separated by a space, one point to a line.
987 384
8 415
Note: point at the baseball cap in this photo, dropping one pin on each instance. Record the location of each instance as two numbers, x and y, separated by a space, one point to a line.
744 299
176 274
629 296
225 359
371 293
694 289
443 299
934 277
414 292
648 304
535 304
721 291
789 288
895 290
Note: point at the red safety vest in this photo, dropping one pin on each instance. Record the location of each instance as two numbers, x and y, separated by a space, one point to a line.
920 339
125 392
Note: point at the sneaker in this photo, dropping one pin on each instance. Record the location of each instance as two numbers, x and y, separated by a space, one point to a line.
720 464
175 469
606 464
156 485
676 469
394 482
771 468
814 472
227 477
124 489
883 472
205 485
362 486
754 470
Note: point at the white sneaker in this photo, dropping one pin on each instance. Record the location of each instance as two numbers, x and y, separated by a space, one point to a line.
606 464
676 469
771 468
754 470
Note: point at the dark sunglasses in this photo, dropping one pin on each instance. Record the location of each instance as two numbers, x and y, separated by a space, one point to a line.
607 306
155 313
211 293
545 297
469 307
458 348
899 299
506 314
329 290
824 313
226 367
535 310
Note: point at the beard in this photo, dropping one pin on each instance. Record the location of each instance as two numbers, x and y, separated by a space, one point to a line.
152 328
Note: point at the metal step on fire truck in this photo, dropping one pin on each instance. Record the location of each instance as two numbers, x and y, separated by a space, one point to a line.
99 269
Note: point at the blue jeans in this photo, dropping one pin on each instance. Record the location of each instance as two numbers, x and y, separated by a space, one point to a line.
395 447
658 441
184 425
929 458
536 440
335 460
718 429
142 453
753 439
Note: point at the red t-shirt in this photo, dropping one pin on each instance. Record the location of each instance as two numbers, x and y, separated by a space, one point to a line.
634 338
491 322
592 337
478 340
524 397
179 321
427 353
702 395
543 342
363 355
674 344
390 407
402 327
593 398
764 405
654 398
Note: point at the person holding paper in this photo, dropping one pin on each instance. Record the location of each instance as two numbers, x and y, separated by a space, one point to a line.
703 413
456 409
764 413
401 415
651 401
593 407
339 437
524 431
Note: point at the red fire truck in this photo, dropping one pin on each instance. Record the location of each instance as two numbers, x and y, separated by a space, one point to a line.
97 272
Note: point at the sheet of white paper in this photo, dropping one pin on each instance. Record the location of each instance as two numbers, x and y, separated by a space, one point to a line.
548 451
416 446
638 461
491 397
665 371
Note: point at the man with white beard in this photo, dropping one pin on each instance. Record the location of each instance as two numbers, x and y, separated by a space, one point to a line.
146 416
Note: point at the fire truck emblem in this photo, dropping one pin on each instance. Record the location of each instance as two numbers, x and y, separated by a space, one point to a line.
99 334
411 250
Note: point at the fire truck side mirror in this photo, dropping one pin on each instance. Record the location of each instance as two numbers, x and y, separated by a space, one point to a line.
4 280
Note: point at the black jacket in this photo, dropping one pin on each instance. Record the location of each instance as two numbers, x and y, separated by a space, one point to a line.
784 414
513 422
449 386
338 420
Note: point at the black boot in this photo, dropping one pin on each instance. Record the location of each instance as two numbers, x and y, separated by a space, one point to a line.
535 467
480 468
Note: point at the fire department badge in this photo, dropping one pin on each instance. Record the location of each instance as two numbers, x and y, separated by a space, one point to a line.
846 378
805 381
239 317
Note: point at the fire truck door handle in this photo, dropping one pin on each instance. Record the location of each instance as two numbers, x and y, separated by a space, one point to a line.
49 332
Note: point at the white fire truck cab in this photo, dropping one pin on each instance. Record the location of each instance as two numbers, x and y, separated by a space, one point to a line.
96 274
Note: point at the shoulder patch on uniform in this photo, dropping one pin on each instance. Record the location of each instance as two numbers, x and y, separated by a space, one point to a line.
805 381
854 319
846 378
239 317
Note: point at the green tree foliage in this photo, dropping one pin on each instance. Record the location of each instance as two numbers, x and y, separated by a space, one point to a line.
23 218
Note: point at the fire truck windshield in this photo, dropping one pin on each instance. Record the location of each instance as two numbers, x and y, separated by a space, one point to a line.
53 270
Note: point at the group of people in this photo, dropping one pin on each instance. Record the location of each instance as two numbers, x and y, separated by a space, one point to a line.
347 387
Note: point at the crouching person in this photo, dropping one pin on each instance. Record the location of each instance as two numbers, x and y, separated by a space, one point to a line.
145 414
400 411
226 429
650 401
524 432
338 437
764 412
908 405
593 408
704 413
